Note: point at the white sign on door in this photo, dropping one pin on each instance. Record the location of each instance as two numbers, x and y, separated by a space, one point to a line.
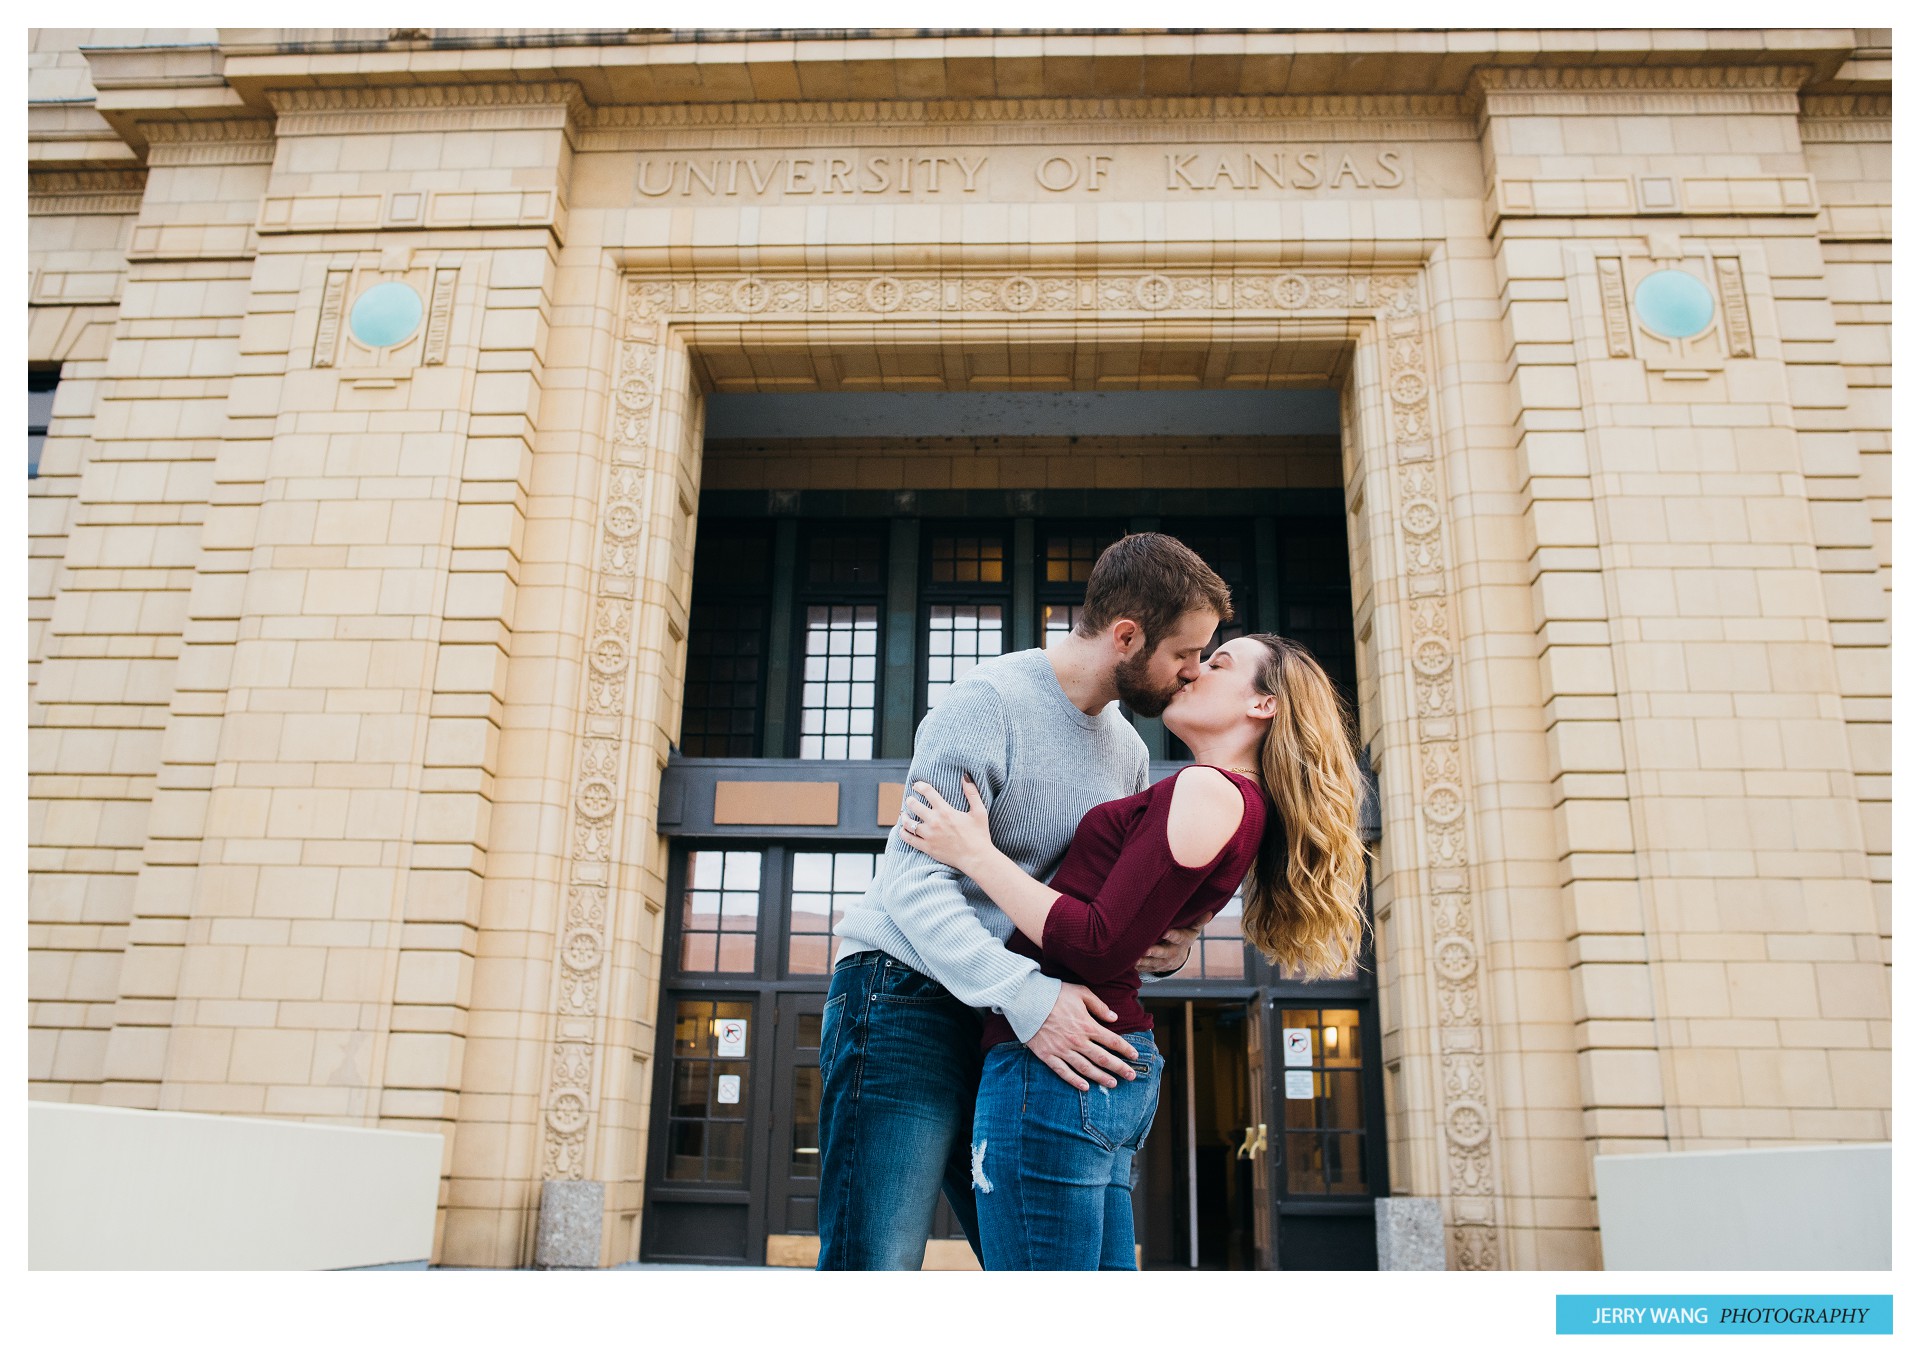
728 1089
1299 1083
731 1033
1297 1045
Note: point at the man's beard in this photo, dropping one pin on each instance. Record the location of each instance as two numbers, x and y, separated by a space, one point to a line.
1130 678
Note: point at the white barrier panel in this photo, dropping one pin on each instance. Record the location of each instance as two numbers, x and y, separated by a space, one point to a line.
1816 1208
118 1189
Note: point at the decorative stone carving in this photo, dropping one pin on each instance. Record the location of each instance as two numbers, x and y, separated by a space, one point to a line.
1733 307
1613 307
570 1099
333 306
440 317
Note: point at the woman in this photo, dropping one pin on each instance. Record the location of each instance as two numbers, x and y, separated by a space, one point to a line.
1272 800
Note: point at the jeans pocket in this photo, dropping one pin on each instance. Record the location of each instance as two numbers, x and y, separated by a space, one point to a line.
1120 1117
830 1019
901 984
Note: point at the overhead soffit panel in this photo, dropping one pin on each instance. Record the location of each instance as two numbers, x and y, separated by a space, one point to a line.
1289 412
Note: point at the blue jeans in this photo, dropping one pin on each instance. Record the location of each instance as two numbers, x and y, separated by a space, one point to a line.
1053 1166
899 1067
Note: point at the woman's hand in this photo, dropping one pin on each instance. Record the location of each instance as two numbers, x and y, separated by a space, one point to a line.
944 832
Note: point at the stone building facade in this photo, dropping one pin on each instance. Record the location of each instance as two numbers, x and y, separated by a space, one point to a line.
359 619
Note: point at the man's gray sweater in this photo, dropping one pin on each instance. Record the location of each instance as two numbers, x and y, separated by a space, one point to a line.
1039 764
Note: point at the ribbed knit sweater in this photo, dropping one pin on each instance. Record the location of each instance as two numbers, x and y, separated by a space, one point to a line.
1040 764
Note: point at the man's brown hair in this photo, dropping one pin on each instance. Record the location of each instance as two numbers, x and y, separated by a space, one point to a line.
1153 580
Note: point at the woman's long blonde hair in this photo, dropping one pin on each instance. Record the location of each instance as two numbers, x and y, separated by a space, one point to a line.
1303 903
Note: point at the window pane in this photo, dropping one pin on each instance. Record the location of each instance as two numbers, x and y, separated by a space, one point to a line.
807 955
686 1151
690 1027
1346 1163
1305 1162
1342 1108
726 1153
1340 1037
699 951
692 1082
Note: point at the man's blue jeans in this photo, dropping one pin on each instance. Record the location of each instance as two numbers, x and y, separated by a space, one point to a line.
1053 1166
899 1068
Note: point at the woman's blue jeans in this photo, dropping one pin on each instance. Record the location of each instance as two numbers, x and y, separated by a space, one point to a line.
1053 1166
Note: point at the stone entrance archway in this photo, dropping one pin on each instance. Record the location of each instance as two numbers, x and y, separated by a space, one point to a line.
1440 1111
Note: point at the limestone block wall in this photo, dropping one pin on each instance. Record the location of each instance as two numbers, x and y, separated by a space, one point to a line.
1695 553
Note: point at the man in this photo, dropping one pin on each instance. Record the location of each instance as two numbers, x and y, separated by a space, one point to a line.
924 950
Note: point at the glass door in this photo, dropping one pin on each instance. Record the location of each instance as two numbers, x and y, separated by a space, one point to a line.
701 1204
793 1173
1327 1134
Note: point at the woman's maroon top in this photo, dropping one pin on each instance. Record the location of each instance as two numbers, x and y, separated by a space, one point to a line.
1120 890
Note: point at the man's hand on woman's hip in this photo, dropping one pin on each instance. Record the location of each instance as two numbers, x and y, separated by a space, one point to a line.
1075 1041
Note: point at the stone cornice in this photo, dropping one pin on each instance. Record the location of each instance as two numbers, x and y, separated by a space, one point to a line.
496 94
1847 105
1637 78
212 130
225 140
429 107
1841 118
1030 121
1028 110
1573 91
85 192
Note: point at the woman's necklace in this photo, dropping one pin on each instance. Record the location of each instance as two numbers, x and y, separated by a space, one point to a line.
1236 769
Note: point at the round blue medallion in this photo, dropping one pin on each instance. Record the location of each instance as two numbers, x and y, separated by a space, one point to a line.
386 314
1673 303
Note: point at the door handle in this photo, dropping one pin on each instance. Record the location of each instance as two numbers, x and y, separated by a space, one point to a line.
1260 1143
1246 1146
